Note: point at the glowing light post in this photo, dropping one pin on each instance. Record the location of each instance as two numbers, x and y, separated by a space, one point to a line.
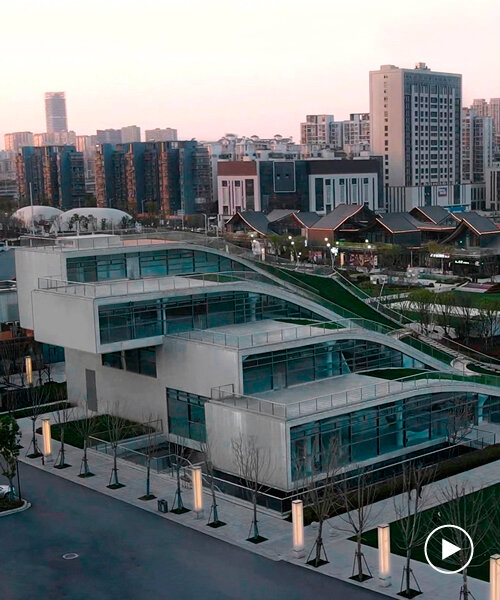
384 555
495 577
29 378
197 492
298 528
47 440
29 370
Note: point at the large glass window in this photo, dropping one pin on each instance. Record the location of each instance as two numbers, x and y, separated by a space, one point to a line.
138 360
283 368
97 268
186 414
366 434
134 320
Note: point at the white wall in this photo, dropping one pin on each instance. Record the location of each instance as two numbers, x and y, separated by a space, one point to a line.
225 423
180 364
30 265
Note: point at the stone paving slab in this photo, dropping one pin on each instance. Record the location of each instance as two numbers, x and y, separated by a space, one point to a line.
238 516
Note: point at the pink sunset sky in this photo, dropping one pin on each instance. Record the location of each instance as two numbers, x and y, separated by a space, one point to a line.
207 67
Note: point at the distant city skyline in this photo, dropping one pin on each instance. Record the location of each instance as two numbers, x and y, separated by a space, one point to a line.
229 67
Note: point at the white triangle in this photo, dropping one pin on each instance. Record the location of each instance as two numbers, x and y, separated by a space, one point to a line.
447 549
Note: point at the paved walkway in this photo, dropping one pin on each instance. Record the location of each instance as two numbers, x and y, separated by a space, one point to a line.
237 515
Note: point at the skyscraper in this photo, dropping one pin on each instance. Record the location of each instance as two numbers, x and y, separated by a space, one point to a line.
55 111
415 125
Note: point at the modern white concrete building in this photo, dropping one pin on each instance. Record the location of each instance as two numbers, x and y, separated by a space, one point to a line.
215 347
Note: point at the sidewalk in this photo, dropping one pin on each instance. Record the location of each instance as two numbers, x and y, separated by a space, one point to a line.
238 516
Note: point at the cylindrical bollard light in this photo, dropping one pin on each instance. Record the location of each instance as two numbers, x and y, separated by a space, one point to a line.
495 577
384 555
47 440
197 491
29 369
298 528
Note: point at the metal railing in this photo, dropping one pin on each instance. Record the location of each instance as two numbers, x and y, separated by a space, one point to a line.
348 398
277 335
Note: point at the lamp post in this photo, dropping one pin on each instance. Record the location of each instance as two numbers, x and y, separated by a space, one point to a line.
495 577
29 370
384 555
47 440
292 249
298 528
197 492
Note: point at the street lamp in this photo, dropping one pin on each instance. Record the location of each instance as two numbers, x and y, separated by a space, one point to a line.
197 492
495 577
384 554
47 441
298 528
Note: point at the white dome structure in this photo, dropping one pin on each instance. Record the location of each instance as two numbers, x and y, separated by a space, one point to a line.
29 216
91 219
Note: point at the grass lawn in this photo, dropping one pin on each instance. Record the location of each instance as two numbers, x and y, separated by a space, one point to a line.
74 438
482 370
27 412
475 297
332 290
435 517
393 373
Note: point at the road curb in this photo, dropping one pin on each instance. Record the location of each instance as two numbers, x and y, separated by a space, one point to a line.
22 508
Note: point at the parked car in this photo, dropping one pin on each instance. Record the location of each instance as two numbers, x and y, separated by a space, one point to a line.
5 489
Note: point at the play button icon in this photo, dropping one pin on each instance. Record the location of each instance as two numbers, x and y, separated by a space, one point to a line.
445 556
448 549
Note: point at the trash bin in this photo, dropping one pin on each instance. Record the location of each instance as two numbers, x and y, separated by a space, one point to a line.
162 506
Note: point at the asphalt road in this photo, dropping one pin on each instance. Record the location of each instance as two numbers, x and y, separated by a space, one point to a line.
129 554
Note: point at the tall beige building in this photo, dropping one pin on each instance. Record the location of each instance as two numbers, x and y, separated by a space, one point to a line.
167 134
130 134
415 125
18 139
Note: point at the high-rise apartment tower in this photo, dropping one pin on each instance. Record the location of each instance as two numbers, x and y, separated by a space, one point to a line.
55 112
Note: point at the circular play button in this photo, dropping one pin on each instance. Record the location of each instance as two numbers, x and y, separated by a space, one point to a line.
449 549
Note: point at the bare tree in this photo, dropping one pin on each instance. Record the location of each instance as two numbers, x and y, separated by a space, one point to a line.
408 507
459 423
36 399
62 418
475 516
149 450
213 518
357 500
179 461
422 302
115 428
466 314
446 311
489 320
321 495
253 464
86 427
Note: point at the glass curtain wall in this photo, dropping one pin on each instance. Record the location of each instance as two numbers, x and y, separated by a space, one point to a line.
133 320
186 414
366 434
283 368
138 360
157 263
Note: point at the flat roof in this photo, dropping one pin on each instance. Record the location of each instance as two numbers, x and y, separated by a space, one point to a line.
331 391
259 333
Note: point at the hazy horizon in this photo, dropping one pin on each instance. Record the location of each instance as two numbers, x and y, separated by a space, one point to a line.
212 67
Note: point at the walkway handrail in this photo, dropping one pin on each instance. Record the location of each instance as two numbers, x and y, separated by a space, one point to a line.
347 398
